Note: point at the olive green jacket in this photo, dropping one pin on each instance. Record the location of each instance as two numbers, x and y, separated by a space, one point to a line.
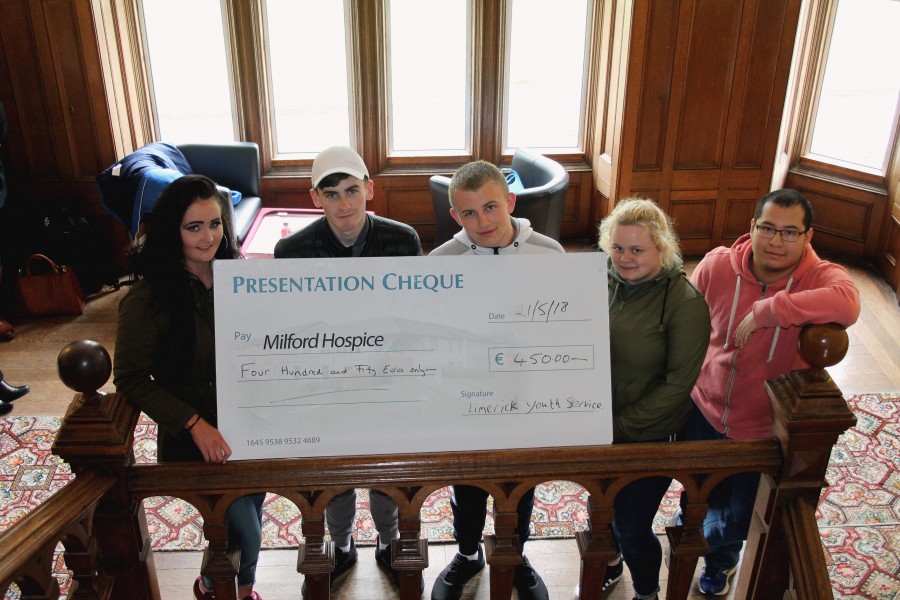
658 334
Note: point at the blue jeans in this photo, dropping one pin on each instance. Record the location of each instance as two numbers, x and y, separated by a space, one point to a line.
636 505
731 503
245 530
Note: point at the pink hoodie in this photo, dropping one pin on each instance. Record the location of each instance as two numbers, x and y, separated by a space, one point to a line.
730 390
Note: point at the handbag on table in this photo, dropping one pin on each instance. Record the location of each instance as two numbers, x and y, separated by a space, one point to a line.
56 292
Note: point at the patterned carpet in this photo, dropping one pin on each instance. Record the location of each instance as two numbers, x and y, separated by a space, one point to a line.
859 514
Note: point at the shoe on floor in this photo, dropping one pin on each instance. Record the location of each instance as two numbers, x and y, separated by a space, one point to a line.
8 392
613 575
450 583
528 583
716 581
342 563
383 560
199 594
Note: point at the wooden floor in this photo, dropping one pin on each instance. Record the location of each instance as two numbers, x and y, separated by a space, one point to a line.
872 365
278 578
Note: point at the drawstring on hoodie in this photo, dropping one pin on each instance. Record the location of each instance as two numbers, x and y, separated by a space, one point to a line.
787 289
662 313
737 293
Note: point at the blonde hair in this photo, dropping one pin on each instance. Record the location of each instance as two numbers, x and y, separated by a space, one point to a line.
472 176
640 211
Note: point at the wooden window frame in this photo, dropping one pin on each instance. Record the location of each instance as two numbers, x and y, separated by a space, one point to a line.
814 41
245 34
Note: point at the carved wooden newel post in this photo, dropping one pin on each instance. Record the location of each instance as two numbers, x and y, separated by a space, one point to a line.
810 413
97 435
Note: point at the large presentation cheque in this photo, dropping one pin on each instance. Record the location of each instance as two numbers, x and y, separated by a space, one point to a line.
414 354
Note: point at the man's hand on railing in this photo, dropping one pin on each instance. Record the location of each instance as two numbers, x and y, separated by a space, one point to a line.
212 445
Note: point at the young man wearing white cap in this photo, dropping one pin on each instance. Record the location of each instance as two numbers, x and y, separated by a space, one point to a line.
341 187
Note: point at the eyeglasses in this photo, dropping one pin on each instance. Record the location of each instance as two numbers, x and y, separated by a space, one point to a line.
788 235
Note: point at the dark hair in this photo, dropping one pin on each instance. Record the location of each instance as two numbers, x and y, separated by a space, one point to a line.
786 199
334 179
158 257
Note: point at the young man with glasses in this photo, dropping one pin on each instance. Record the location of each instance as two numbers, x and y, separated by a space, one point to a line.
761 292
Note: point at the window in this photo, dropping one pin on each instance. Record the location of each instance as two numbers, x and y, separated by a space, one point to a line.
428 80
191 88
307 52
546 75
855 120
410 84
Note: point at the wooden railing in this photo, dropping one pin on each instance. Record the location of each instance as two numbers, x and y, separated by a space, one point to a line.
100 520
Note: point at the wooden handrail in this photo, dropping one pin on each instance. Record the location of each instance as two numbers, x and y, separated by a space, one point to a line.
631 461
97 436
53 521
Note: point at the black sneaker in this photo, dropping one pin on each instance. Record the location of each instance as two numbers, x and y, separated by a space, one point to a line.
613 574
342 563
383 559
528 583
449 584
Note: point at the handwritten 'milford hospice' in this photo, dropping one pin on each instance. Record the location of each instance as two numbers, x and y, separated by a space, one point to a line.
396 355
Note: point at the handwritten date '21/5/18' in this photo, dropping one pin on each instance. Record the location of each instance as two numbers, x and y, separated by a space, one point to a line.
541 310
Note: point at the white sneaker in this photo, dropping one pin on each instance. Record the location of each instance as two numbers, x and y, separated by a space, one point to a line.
674 520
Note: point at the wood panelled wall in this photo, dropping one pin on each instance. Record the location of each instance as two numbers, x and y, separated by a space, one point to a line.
703 105
888 256
688 110
63 128
59 126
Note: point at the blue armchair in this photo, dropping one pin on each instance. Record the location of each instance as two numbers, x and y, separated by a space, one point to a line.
130 186
234 165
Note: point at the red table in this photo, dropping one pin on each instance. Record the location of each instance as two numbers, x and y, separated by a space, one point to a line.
272 224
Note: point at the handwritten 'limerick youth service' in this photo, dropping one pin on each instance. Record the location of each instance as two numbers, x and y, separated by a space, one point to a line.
327 357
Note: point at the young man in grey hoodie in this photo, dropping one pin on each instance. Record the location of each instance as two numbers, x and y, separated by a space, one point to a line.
482 204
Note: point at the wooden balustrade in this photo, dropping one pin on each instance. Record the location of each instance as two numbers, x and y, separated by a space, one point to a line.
100 519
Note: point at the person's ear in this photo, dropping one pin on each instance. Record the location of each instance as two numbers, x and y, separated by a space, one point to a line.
511 202
314 194
752 225
455 216
809 233
370 190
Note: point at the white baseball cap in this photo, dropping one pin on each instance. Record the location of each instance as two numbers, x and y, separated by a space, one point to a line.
338 159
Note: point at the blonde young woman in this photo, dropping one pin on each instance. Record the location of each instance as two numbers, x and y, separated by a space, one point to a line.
659 330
